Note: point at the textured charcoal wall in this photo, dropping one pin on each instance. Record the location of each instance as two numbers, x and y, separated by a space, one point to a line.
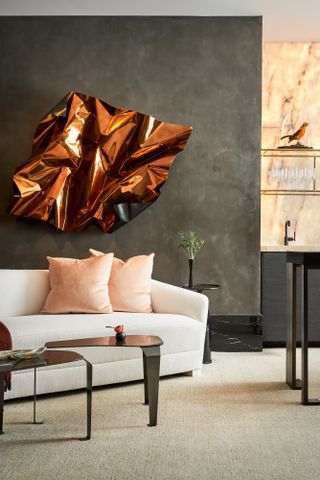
205 72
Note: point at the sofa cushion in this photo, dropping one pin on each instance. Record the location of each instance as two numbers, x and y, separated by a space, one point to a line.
178 332
79 285
130 283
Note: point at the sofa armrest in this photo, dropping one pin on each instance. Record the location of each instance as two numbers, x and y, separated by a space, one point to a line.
171 299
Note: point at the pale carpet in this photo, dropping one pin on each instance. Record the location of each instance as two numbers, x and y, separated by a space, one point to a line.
237 421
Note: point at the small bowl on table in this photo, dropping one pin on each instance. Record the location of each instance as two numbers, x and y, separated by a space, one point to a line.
26 354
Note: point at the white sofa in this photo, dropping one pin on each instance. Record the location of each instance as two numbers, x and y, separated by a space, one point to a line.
179 318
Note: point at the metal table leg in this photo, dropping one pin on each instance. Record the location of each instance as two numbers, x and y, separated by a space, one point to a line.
35 398
151 367
145 378
2 380
89 399
291 344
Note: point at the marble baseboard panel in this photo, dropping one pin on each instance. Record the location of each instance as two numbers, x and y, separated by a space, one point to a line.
236 333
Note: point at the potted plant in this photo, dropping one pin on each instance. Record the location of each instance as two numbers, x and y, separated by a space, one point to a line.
191 244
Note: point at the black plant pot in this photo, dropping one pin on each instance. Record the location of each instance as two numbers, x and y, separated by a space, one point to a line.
190 260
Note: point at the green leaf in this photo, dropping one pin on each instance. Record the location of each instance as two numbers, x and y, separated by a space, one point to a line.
191 243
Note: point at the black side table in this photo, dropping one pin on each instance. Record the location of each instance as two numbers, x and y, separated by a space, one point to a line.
201 287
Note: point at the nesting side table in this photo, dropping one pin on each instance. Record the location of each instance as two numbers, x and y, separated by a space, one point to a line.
150 346
46 359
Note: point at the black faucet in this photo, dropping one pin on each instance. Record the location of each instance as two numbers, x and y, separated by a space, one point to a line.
286 238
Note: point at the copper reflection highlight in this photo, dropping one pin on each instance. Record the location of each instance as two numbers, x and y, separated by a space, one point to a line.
92 162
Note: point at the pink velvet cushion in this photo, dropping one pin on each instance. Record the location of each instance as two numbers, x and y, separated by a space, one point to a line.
130 283
79 286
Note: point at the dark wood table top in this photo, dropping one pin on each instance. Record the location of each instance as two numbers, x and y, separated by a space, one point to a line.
200 287
47 358
141 341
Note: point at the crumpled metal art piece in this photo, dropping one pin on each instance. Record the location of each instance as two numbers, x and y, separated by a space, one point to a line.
92 162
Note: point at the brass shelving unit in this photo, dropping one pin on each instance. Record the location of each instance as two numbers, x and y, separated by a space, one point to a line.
292 175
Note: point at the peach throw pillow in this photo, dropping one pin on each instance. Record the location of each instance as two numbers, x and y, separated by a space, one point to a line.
79 286
130 283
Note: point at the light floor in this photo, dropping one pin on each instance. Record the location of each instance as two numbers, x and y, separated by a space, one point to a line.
237 421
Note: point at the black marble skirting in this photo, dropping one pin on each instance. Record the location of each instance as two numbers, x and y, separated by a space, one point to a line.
236 333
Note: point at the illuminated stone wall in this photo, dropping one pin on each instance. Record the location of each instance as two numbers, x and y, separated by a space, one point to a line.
291 96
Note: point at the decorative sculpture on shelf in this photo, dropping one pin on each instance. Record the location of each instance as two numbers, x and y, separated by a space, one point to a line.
296 136
120 333
92 162
191 244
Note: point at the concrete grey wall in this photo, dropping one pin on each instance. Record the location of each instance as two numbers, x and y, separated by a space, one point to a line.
205 72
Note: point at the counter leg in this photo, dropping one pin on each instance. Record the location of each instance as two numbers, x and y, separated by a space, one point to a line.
291 343
305 339
151 359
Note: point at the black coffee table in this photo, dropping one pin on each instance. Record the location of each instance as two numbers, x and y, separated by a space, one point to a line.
48 358
150 346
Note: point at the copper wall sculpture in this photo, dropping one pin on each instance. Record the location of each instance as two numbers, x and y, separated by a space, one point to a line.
92 162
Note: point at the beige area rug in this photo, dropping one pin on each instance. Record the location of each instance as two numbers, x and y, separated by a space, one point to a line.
238 420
